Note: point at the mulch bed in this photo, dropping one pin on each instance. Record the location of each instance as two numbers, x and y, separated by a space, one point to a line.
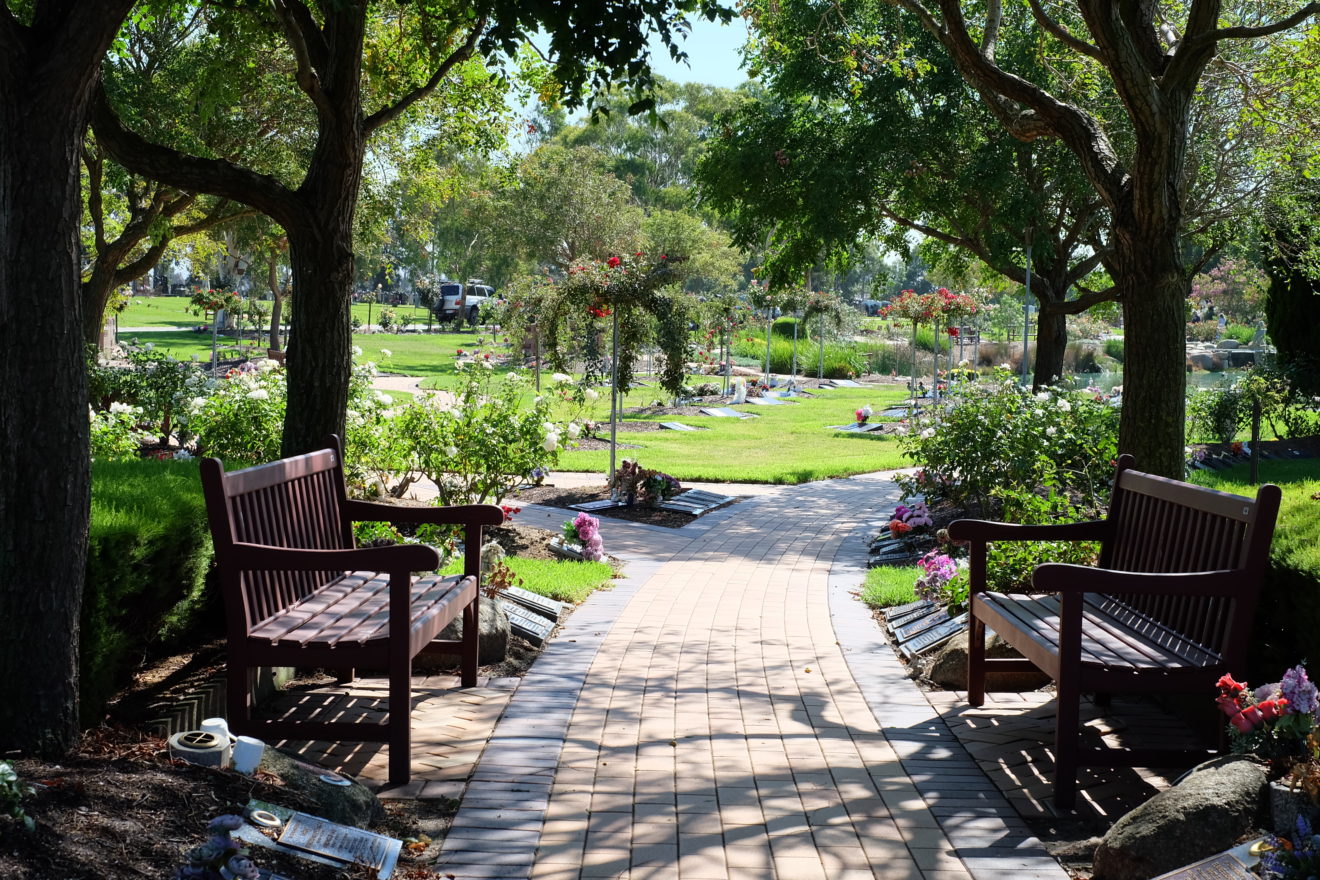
554 496
121 808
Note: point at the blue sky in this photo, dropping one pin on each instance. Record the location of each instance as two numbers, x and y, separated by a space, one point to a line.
713 56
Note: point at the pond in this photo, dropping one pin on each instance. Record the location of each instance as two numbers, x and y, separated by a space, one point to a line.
1196 380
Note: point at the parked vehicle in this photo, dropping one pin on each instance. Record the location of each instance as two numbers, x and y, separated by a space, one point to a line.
459 301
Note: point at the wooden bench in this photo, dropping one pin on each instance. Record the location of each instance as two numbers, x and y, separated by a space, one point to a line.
297 592
1168 608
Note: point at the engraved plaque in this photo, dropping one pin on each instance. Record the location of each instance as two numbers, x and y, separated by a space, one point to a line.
603 504
935 636
533 602
352 846
1220 867
899 621
528 624
677 426
910 631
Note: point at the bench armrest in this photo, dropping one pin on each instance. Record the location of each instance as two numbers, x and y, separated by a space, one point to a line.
457 514
986 530
397 557
1059 577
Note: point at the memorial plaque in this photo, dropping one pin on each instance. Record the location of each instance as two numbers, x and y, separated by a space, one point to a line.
1221 867
542 605
725 412
909 631
703 495
528 624
695 502
909 608
933 637
907 618
678 426
845 383
858 428
894 412
603 504
766 401
351 846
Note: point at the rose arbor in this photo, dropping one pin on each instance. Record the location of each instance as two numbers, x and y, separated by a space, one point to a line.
629 292
941 308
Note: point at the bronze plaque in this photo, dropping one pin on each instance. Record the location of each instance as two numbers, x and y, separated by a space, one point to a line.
340 842
1220 867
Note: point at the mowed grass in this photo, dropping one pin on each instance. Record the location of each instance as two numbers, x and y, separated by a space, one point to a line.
786 444
174 311
1296 544
564 580
887 586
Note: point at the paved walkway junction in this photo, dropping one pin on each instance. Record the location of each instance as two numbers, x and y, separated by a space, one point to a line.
731 711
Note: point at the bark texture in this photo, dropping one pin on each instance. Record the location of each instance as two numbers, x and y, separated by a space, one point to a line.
48 73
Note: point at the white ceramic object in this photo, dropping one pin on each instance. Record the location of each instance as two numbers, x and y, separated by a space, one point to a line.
247 754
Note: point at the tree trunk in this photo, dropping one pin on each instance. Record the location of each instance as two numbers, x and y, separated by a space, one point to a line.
1051 346
1153 289
46 82
276 301
319 361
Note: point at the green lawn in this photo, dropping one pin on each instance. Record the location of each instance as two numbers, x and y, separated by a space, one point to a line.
565 580
787 444
887 586
174 311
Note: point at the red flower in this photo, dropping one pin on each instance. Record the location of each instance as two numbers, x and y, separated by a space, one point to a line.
460 351
898 528
1230 688
612 262
486 355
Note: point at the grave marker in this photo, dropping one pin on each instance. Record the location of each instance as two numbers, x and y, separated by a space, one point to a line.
678 426
528 624
542 605
726 413
934 636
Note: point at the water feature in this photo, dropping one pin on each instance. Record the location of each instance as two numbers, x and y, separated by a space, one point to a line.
1195 380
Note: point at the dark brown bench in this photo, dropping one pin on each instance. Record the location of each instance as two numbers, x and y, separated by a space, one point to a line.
1168 609
297 592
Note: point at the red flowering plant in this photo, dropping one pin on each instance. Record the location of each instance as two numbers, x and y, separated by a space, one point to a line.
1273 722
204 301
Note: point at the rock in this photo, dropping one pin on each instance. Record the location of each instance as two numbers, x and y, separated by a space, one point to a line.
1213 806
947 667
351 804
494 637
1228 344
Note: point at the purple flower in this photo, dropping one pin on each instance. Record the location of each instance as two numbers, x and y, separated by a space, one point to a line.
1299 691
227 822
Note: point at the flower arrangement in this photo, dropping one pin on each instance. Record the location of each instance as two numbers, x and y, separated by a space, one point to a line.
863 414
906 519
220 857
1273 722
938 568
1296 859
585 530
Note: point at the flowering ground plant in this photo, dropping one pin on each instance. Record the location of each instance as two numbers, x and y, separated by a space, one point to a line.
1295 859
1273 722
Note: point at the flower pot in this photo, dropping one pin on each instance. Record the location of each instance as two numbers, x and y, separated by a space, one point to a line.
1286 804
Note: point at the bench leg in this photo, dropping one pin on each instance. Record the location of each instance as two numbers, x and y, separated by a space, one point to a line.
238 700
400 721
975 662
346 676
471 642
1066 745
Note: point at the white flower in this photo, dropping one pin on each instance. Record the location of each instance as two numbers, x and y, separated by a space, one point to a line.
487 365
1051 431
928 433
385 352
149 346
866 410
196 358
550 427
1042 395
561 377
1064 405
593 394
964 364
265 365
370 367
258 394
196 403
451 452
183 455
536 401
574 430
382 397
353 416
357 351
1005 366
551 442
118 407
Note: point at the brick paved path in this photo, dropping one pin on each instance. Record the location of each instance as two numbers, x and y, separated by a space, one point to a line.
731 711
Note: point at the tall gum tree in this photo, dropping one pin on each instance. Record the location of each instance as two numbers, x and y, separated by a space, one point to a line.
50 57
1154 55
589 42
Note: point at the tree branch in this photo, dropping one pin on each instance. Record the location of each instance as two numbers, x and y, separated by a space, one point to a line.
95 205
994 18
386 115
1081 303
1061 33
1283 24
192 173
295 28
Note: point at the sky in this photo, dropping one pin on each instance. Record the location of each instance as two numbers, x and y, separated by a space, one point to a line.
713 55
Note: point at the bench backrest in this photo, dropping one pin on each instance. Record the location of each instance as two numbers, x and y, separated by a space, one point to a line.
1159 525
293 502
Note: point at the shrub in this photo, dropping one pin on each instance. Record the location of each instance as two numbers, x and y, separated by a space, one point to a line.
159 384
242 418
1114 349
842 359
1241 332
115 435
999 436
148 554
1215 414
1087 326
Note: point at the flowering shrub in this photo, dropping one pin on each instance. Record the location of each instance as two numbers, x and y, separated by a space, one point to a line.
115 435
584 529
1273 722
220 856
159 384
484 445
215 300
997 437
242 419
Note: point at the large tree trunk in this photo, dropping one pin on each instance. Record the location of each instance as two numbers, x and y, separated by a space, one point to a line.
1051 346
46 81
1153 289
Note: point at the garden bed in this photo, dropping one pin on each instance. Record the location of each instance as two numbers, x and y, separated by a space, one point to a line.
120 808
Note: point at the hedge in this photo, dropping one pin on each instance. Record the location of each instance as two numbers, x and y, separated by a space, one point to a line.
1288 617
148 558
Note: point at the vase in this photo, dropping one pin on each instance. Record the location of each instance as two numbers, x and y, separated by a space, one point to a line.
1286 804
